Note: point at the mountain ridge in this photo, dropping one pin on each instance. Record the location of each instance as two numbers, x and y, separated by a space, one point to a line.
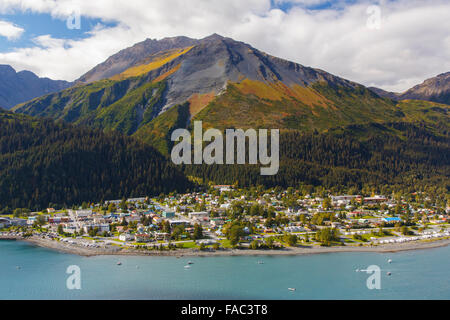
435 89
224 83
125 58
211 64
19 87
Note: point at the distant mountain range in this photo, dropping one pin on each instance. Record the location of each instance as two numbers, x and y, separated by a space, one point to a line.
18 87
436 89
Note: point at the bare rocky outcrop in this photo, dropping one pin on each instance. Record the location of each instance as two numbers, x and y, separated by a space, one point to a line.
128 57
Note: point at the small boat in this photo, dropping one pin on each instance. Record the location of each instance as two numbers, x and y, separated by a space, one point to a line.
190 262
260 262
18 267
389 273
389 261
187 267
119 263
357 270
291 289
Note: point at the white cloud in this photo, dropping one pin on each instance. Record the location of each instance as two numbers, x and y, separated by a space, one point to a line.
302 2
412 44
10 31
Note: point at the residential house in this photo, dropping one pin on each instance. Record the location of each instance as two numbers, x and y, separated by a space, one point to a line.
161 236
375 200
142 237
126 237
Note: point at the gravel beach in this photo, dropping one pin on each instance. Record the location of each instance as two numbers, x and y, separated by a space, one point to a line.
86 251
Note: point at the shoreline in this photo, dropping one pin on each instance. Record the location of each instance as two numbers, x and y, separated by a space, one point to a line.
91 252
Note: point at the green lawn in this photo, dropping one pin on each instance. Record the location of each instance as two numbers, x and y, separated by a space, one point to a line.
189 245
225 243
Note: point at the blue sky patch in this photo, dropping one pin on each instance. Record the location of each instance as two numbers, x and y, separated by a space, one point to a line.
43 24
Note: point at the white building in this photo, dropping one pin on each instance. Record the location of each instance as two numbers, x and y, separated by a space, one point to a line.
340 200
198 215
136 200
179 222
70 228
101 227
126 237
31 221
116 202
224 188
77 215
295 229
225 206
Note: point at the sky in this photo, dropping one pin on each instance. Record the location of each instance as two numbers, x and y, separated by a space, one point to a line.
390 44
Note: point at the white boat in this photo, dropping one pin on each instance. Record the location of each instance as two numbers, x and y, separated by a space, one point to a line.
187 267
291 289
389 273
390 261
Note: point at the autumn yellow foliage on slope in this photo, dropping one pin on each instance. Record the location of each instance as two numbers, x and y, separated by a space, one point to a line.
154 64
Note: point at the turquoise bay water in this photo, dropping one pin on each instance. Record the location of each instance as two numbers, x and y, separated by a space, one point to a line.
422 274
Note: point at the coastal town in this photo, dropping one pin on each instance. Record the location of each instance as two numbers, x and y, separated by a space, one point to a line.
226 219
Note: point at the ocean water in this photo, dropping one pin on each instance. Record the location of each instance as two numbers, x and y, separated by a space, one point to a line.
421 274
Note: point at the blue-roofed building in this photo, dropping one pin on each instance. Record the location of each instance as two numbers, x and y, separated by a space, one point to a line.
392 220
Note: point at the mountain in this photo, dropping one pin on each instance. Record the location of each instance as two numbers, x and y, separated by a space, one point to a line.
44 163
18 87
386 94
436 89
152 88
199 72
128 57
